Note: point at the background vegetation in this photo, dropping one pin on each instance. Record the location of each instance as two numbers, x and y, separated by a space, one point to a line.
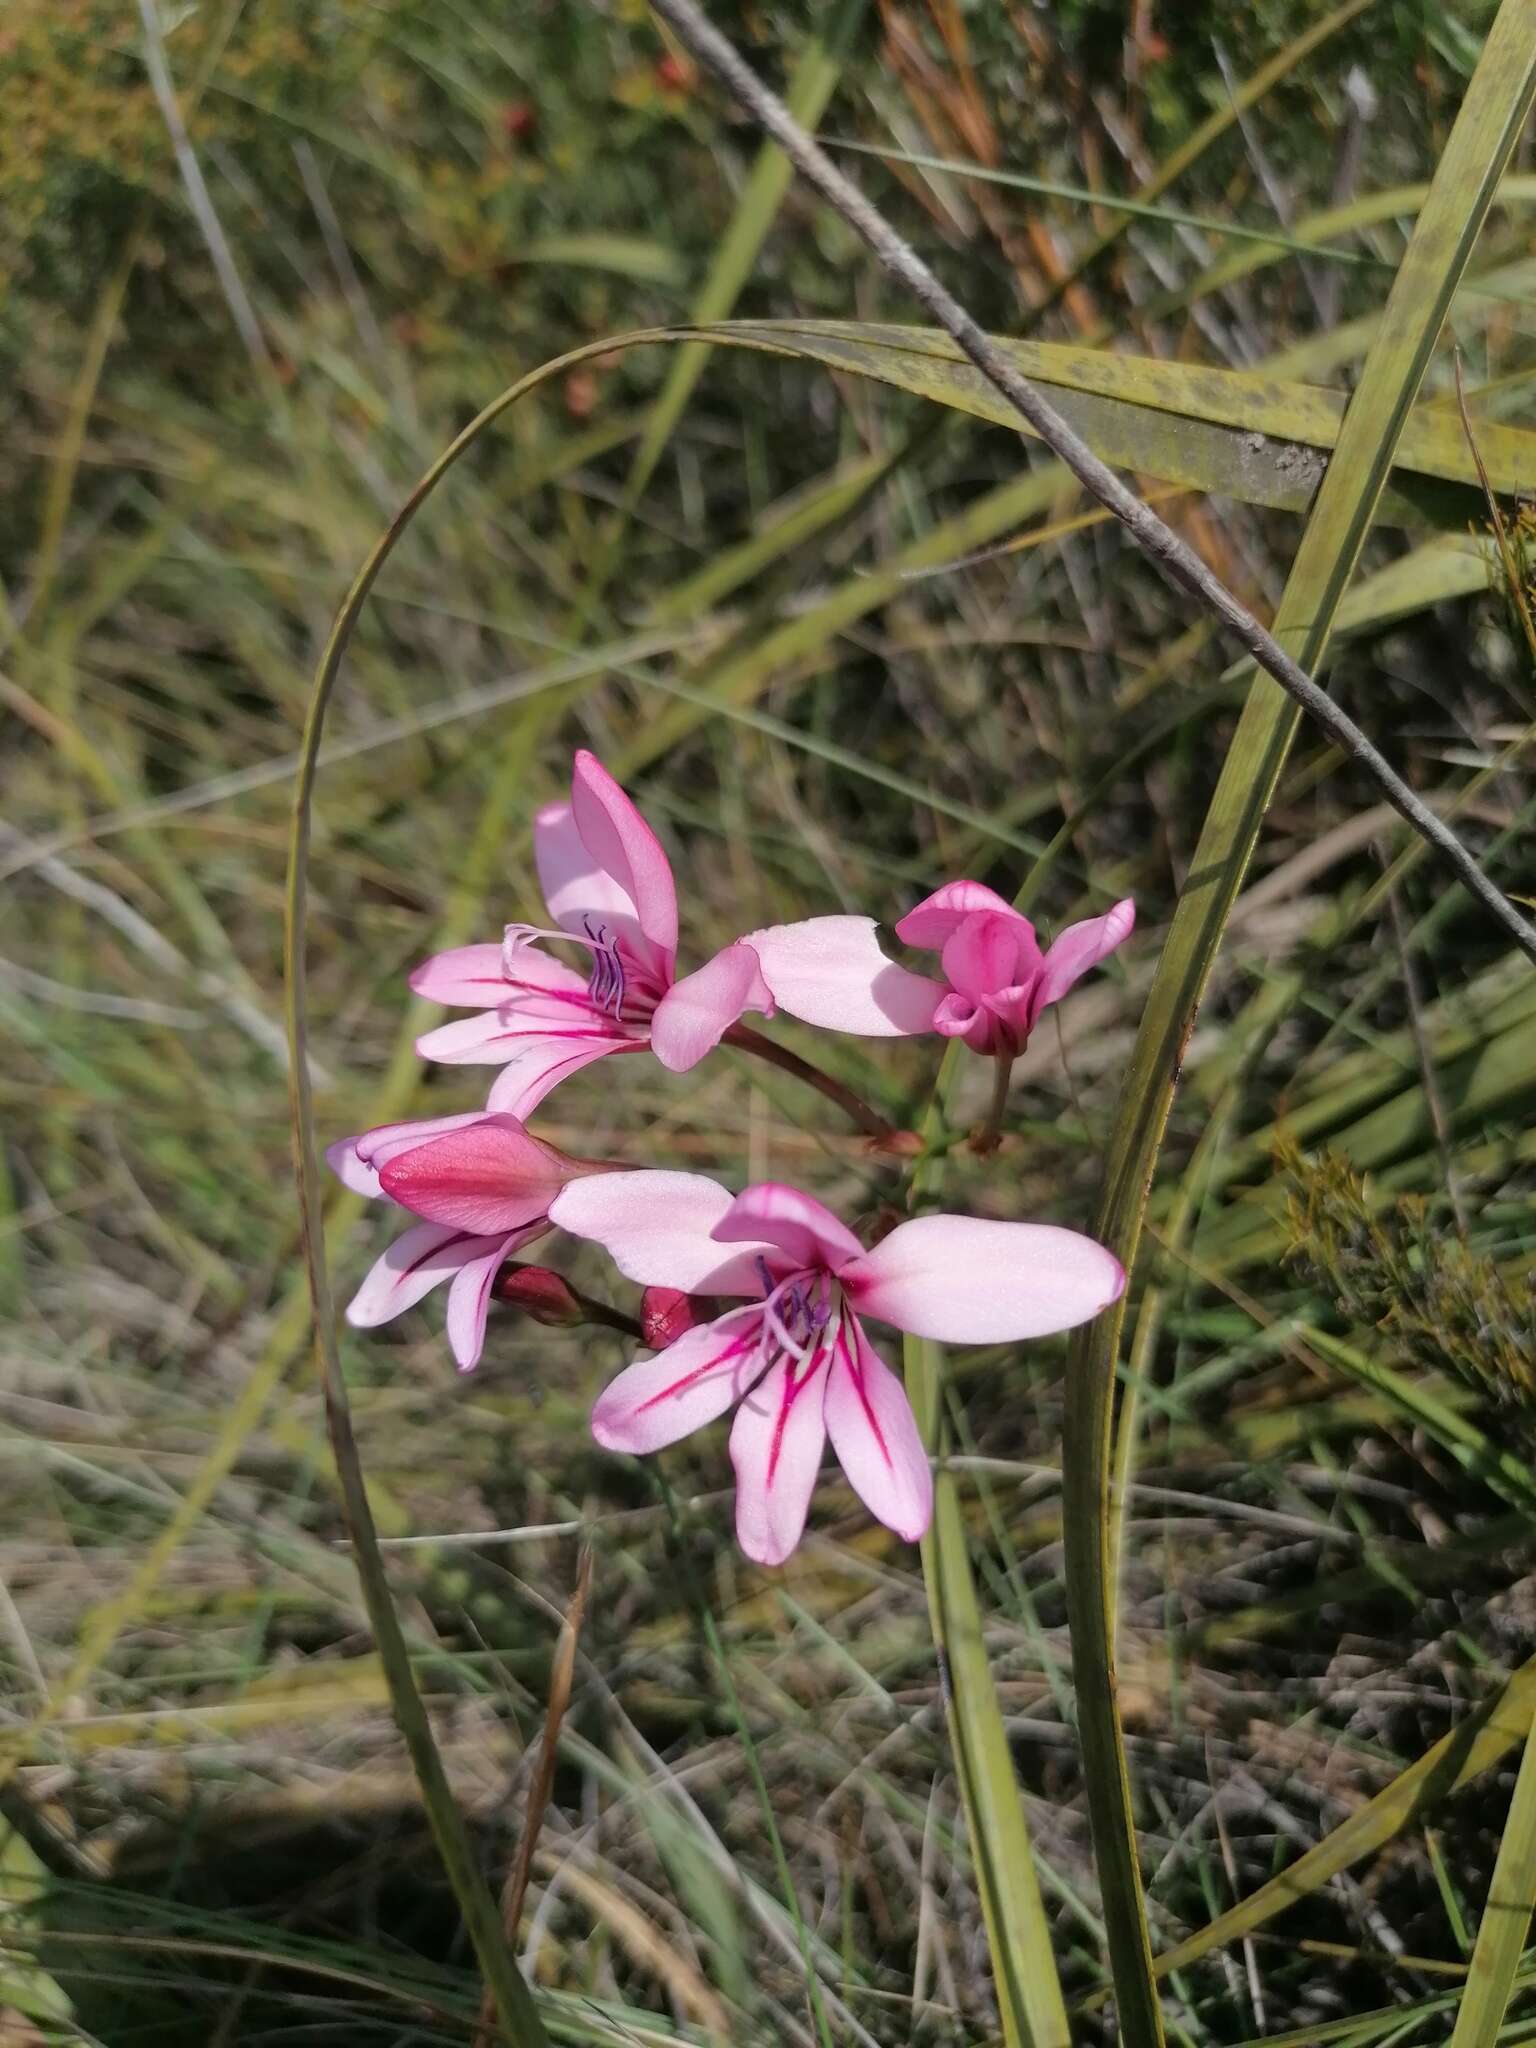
840 644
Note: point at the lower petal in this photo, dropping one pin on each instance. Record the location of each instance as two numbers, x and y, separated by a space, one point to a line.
470 1295
874 1434
776 1445
657 1400
696 1012
413 1265
958 1017
542 1065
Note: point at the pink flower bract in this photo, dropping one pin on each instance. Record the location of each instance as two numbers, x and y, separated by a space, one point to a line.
482 1187
831 971
794 1360
609 890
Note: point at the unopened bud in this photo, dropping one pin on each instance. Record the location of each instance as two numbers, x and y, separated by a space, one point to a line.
541 1293
666 1312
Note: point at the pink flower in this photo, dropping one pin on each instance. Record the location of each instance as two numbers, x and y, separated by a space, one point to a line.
831 971
482 1187
794 1361
609 889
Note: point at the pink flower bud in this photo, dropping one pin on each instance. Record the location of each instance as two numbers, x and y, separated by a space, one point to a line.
539 1292
665 1313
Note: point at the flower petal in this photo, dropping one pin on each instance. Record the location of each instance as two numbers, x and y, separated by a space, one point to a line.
967 1281
626 848
356 1161
492 1037
929 923
656 1229
983 953
776 1445
489 1177
576 888
657 1400
542 1064
696 1012
470 1294
413 1265
807 1233
875 1436
465 977
830 971
1080 947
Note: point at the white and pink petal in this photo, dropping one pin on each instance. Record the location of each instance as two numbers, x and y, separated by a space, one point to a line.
965 1280
418 1260
776 1444
1078 948
874 1434
656 1401
803 1229
656 1227
830 971
696 1012
469 1294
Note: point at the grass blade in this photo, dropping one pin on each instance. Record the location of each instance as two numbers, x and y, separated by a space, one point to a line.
1448 1764
1024 1971
1506 1918
737 251
1495 108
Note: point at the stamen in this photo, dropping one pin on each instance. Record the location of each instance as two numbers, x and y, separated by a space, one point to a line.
606 986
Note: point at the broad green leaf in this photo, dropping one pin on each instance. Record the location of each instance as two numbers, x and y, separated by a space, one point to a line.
1496 104
1236 433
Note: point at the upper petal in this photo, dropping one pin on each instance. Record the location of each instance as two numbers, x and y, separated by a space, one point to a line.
776 1446
830 971
1080 947
469 1295
356 1161
701 1374
874 1434
622 843
487 1177
969 1281
696 1012
983 953
412 1266
929 923
806 1232
656 1228
577 888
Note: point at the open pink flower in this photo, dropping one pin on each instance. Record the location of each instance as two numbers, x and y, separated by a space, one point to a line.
794 1361
481 1186
609 889
831 971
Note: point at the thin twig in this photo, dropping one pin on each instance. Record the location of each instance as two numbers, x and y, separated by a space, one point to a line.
882 1134
1178 562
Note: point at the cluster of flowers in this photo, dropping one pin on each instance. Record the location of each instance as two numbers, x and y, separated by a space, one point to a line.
754 1301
